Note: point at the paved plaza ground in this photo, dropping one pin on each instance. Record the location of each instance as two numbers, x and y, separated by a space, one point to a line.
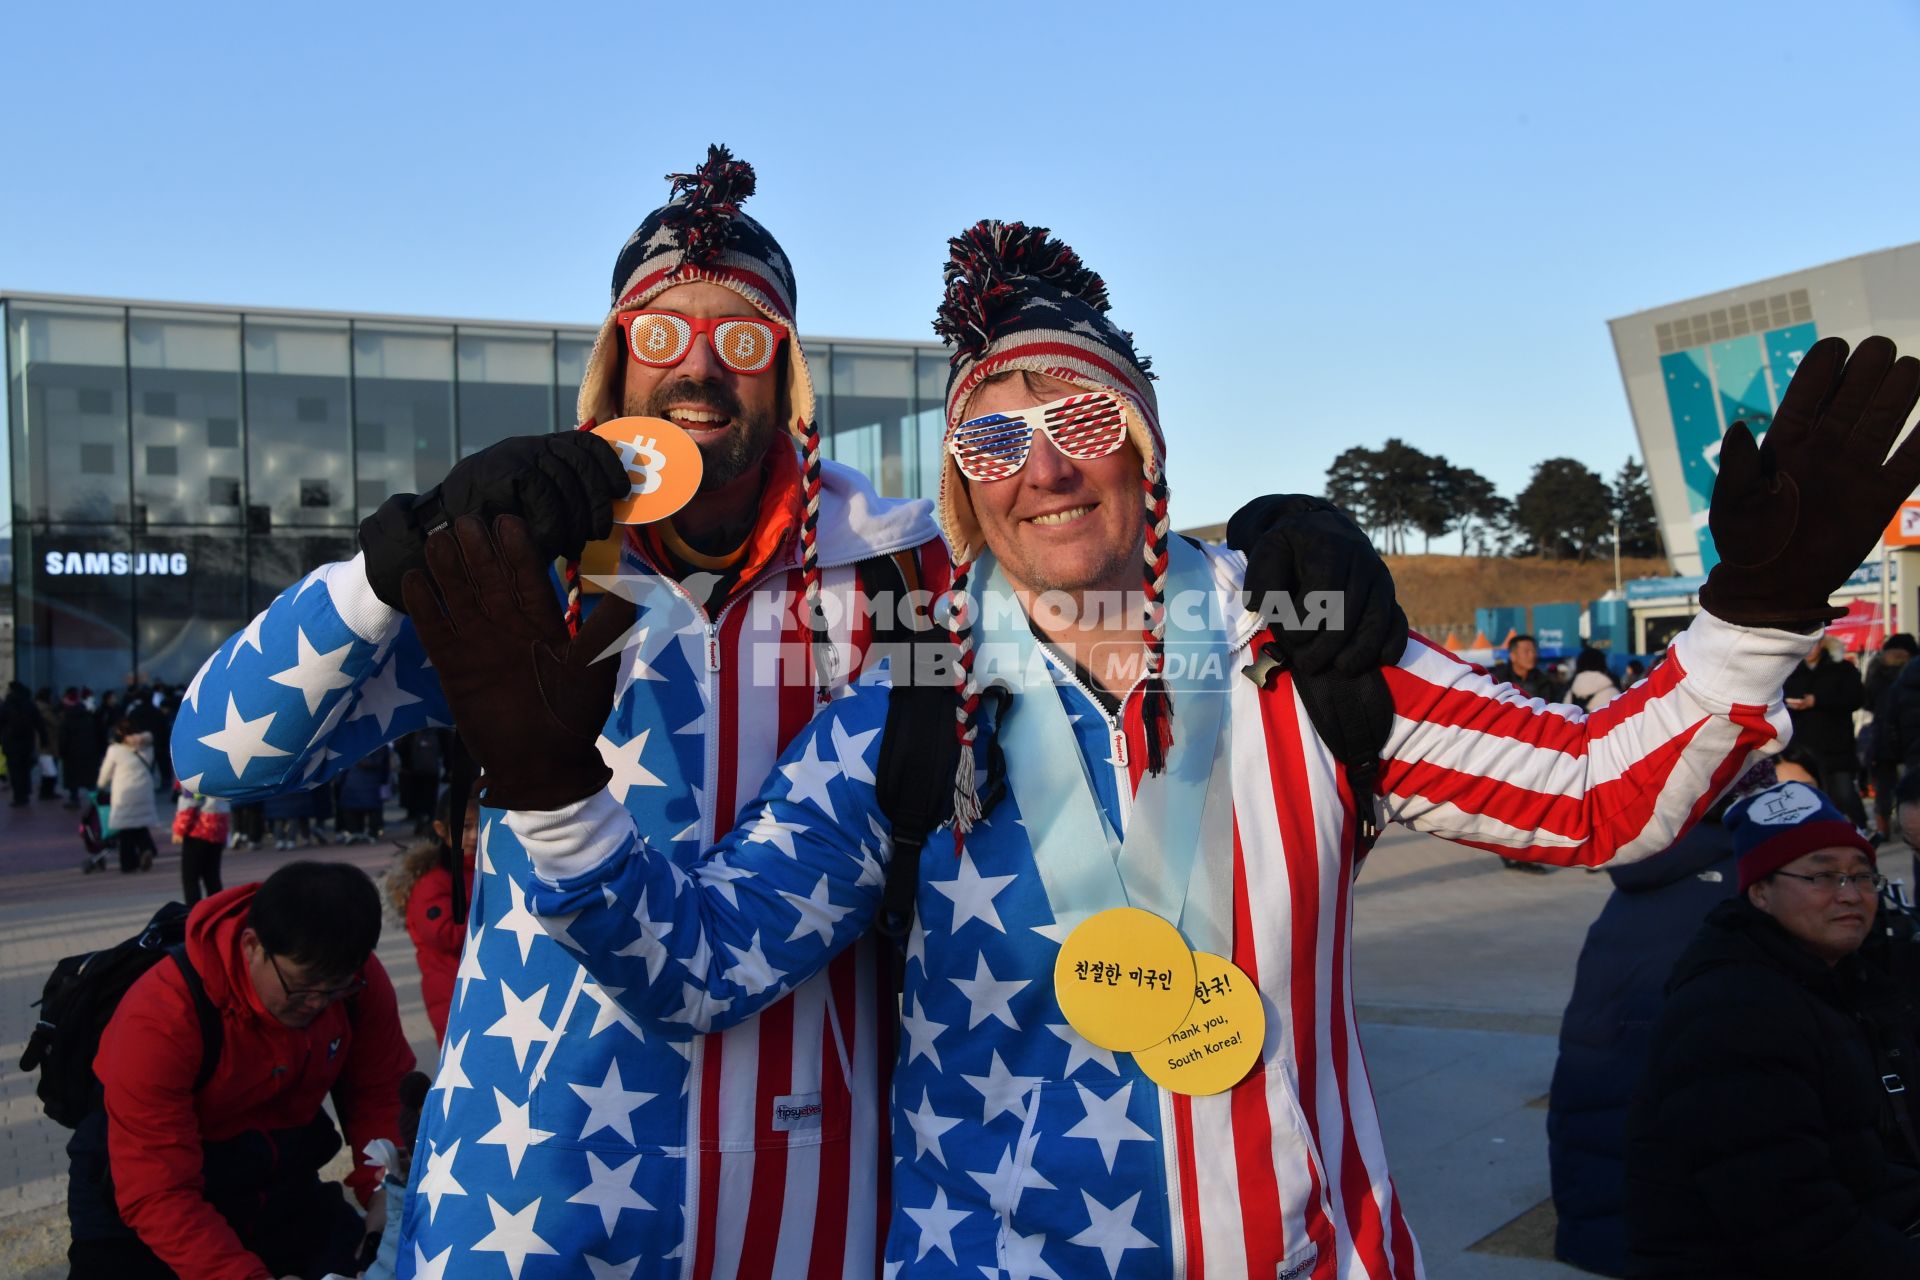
1461 969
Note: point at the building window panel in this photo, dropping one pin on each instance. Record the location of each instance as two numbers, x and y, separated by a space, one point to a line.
570 369
186 389
872 412
929 429
297 420
67 381
506 387
189 586
403 399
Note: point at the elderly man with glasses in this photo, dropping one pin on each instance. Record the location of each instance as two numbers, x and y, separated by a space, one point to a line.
1773 1133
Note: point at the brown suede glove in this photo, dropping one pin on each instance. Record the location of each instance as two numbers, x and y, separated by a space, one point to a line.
528 699
1793 516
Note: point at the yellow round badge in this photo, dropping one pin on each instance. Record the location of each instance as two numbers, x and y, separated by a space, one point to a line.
1219 1040
663 467
1124 979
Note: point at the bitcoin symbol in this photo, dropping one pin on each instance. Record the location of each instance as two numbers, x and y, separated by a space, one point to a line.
657 340
641 458
744 345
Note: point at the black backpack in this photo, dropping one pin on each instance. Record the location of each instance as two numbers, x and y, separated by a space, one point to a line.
79 999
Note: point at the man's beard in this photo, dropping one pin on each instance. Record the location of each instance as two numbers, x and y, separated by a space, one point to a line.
745 443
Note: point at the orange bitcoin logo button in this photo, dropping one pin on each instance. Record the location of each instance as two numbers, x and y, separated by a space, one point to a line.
663 467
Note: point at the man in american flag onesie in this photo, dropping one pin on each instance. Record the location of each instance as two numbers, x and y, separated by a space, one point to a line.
1022 1149
563 1137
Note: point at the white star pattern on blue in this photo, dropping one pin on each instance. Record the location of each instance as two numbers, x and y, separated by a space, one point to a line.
553 1096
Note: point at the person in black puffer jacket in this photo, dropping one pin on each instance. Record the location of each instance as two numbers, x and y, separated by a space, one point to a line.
1822 694
1762 1141
1896 736
1618 988
20 739
1877 687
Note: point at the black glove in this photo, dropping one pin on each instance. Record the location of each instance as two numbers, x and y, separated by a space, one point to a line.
1296 544
563 485
529 700
1794 516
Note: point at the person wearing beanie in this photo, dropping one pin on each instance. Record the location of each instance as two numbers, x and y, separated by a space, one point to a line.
1772 1134
1112 756
558 1125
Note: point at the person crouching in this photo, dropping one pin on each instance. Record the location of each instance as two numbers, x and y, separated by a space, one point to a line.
214 1174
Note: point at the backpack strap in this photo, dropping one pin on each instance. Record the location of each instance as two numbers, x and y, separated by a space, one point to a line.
919 752
211 1036
905 789
463 775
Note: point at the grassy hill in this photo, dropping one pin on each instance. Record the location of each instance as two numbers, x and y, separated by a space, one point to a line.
1441 592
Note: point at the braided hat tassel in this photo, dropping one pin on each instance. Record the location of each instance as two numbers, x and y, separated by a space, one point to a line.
1156 703
966 790
818 645
571 576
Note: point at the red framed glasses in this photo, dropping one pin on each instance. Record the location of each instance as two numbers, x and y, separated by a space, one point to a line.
1084 426
662 339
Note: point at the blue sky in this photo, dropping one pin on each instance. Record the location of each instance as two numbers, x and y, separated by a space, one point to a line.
1327 224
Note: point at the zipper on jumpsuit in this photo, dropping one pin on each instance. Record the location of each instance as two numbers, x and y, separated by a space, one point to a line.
696 1057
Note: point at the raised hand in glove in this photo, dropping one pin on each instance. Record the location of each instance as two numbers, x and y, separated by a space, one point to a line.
563 485
1794 515
1296 544
528 700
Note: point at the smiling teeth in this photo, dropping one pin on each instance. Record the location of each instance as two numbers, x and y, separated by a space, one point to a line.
1062 517
698 415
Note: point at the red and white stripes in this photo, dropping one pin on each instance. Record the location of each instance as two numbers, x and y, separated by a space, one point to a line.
1290 1165
771 1203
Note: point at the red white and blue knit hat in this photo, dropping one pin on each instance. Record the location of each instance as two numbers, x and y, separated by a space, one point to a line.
700 234
1018 299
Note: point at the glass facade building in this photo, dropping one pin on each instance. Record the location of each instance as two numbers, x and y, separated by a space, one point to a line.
171 468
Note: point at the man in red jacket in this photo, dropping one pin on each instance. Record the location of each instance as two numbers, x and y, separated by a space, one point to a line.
222 1182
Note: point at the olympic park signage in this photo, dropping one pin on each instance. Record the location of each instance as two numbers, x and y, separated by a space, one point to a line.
114 564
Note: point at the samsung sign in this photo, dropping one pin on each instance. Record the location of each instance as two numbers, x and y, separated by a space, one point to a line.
115 564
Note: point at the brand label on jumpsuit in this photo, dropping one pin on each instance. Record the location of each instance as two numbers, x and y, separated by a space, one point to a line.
1298 1266
795 1111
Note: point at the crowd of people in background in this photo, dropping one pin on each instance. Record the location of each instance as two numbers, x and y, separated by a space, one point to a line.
1591 688
55 748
